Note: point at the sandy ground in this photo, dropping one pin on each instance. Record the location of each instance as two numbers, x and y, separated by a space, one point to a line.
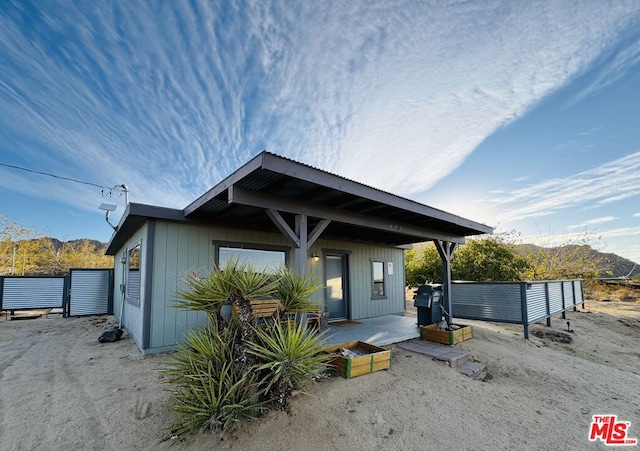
61 389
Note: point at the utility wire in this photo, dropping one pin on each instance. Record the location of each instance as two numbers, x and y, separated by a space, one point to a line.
54 176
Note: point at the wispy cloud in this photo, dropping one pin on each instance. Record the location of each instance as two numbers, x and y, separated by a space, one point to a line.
170 97
613 66
636 215
594 221
604 184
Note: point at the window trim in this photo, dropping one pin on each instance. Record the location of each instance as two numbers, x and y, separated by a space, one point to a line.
375 296
136 298
255 246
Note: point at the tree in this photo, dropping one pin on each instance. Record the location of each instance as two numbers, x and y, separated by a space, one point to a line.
423 265
14 246
23 251
488 259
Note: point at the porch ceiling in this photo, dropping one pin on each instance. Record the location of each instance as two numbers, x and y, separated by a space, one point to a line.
357 212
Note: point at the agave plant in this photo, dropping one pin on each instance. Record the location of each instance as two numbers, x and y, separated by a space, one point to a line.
292 356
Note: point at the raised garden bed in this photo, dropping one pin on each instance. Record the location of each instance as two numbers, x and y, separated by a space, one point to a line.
447 337
362 358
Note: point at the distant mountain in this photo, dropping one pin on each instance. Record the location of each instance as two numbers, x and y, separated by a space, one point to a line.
95 244
609 264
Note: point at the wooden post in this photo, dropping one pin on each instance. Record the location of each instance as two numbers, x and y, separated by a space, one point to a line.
445 249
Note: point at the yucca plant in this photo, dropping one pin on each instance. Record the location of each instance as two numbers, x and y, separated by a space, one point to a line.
212 393
294 290
237 283
292 356
209 292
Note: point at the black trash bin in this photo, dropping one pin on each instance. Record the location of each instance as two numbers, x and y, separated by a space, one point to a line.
427 300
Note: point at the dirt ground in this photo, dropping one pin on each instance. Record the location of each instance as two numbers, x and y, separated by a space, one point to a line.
61 389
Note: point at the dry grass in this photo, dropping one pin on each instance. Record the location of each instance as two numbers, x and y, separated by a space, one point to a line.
612 292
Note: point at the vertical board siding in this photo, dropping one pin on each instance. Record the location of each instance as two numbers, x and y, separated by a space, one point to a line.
360 256
133 314
488 301
181 247
24 293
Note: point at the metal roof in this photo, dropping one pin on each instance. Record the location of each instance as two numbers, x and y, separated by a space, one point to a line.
357 212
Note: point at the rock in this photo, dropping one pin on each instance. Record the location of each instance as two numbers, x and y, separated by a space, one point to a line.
110 336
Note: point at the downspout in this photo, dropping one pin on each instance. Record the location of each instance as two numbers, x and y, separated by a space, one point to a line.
123 286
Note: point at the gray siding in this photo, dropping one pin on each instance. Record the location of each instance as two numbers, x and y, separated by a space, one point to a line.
132 319
361 278
179 247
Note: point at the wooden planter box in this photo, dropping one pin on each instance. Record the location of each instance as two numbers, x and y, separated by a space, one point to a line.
377 359
447 337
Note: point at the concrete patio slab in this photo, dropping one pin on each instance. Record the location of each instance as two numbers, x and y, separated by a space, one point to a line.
379 331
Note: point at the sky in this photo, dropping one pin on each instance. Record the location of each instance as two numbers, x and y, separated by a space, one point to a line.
523 115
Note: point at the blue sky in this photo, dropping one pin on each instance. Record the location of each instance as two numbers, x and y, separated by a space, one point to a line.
521 115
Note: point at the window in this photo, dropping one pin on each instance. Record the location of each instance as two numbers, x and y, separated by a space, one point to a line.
133 275
378 280
262 260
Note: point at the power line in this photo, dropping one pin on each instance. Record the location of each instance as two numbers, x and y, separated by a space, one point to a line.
54 176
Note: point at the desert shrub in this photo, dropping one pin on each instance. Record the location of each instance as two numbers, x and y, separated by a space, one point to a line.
232 371
212 392
291 356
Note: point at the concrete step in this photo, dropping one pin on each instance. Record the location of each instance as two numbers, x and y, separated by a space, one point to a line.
471 369
455 358
459 360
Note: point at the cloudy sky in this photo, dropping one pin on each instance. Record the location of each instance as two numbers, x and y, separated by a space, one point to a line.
521 115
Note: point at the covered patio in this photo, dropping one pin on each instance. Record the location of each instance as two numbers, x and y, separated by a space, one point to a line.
379 331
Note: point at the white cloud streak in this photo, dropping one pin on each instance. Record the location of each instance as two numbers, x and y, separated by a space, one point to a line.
594 221
170 97
615 180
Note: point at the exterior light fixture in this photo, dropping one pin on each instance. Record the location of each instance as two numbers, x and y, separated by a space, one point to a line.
315 257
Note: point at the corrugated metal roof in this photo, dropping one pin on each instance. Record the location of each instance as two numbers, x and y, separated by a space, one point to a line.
296 187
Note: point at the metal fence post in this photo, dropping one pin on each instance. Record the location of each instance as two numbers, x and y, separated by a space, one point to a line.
564 307
523 308
546 296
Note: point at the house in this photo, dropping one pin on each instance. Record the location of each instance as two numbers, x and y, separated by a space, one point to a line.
274 211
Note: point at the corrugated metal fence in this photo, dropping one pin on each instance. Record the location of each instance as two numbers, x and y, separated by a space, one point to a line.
82 292
515 302
24 293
